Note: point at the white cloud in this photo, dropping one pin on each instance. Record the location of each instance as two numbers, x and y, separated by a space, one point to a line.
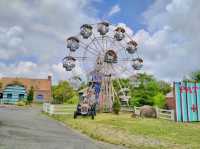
115 9
33 70
11 42
171 45
32 35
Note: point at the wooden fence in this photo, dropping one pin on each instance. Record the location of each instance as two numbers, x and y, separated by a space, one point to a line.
161 113
127 109
58 109
165 114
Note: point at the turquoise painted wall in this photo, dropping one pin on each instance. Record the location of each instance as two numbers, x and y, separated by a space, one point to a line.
13 93
187 96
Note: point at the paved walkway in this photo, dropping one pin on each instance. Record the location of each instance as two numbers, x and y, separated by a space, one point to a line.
29 129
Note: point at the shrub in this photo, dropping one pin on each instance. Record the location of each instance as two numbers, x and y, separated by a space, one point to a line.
55 101
159 100
116 106
21 103
73 100
30 95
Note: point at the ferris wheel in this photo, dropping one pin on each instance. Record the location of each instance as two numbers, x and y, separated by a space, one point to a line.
105 52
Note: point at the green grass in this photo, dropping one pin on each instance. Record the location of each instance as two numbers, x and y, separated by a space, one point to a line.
136 132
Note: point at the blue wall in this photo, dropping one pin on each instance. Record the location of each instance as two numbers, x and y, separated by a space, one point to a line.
13 93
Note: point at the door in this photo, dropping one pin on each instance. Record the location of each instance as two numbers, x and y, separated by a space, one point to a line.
1 98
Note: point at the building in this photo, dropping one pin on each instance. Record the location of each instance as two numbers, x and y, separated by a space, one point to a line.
15 89
170 100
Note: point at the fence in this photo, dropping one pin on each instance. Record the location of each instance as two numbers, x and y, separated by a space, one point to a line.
161 113
165 114
58 109
127 109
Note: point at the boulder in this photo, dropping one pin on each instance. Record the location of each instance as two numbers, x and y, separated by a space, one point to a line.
148 111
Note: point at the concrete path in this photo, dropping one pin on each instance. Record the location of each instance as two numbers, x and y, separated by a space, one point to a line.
29 129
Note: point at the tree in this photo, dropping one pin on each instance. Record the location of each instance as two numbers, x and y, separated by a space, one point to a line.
148 91
62 92
30 95
145 91
121 83
195 76
164 87
82 86
159 100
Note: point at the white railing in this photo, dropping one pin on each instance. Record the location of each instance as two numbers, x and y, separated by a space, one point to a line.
161 113
127 109
137 110
165 114
58 109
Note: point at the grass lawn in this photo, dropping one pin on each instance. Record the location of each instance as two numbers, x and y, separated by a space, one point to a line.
136 132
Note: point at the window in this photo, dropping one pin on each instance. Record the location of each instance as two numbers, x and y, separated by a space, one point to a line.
21 96
40 97
9 96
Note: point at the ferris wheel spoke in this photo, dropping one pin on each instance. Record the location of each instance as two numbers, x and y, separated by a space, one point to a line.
126 54
96 46
119 49
123 69
99 44
125 59
90 51
129 37
88 47
111 43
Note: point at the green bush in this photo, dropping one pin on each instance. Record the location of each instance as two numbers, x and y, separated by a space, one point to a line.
159 100
21 103
116 106
62 92
73 100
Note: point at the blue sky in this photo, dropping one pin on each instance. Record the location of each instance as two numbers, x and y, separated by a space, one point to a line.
131 11
33 33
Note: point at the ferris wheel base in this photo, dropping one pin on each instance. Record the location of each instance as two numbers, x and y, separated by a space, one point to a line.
105 104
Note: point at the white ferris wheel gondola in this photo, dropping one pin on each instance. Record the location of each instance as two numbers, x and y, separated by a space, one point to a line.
73 43
131 47
119 33
103 28
137 63
86 31
69 63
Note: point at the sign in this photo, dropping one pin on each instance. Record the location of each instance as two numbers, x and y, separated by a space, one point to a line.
187 96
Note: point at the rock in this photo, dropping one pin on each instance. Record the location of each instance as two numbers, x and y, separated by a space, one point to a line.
148 111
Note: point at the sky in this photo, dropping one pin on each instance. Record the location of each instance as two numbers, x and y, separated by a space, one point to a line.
33 33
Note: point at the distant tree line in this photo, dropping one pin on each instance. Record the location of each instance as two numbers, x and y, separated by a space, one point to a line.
64 93
144 90
193 77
